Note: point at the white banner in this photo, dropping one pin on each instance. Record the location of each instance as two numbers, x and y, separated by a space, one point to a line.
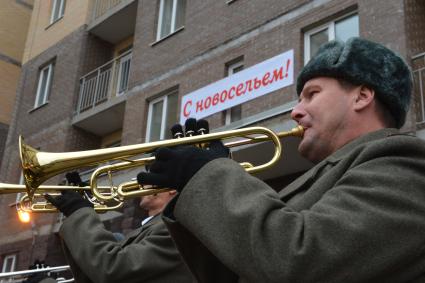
258 80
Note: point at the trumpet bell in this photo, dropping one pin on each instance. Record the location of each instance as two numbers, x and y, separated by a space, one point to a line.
30 167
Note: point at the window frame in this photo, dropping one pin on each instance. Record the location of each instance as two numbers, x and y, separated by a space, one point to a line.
46 94
230 71
169 113
173 28
164 99
13 265
330 26
164 115
126 58
61 11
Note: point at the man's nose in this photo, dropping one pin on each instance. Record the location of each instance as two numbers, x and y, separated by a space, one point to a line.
298 112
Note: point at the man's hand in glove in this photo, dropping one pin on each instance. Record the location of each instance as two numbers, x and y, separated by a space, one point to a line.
174 167
68 202
73 178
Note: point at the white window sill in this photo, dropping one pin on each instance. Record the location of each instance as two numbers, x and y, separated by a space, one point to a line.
38 107
167 36
54 22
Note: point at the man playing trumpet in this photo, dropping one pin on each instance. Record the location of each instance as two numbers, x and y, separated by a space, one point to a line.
356 216
95 254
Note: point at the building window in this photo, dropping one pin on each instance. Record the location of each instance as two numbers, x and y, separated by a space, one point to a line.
58 10
9 263
123 73
235 113
43 88
171 17
419 89
111 140
340 29
162 115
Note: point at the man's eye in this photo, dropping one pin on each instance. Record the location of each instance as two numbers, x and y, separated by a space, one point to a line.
311 94
307 95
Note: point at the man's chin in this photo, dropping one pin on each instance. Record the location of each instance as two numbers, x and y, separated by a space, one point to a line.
306 150
303 149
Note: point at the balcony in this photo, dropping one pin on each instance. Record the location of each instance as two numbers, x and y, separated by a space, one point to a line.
101 100
419 88
113 20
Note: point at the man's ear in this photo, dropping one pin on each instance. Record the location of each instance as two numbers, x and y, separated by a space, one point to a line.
364 97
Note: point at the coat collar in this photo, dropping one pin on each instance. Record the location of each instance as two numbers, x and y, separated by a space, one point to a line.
135 233
347 148
152 221
334 158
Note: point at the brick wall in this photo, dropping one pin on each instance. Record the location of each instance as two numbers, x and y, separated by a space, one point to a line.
47 127
14 22
43 35
201 51
415 26
205 22
415 31
3 135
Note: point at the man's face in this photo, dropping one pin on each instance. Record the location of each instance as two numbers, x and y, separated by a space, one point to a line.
155 202
323 110
149 202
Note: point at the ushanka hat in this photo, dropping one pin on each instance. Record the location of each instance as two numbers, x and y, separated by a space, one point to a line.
362 62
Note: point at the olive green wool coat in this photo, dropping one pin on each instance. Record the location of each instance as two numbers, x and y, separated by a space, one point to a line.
357 216
148 254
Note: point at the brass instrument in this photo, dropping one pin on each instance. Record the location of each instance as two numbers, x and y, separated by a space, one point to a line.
127 189
37 203
6 188
19 276
40 166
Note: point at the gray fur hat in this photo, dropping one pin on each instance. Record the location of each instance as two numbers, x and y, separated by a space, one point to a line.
362 62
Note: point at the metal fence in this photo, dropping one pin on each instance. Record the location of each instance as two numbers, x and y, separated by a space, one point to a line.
110 79
419 87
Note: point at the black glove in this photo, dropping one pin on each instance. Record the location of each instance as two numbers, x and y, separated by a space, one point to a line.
68 202
36 277
192 127
74 178
174 167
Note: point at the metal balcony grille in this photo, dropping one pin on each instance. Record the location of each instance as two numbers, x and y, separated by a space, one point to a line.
102 6
109 80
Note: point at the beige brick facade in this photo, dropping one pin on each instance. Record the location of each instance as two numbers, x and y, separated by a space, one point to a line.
9 74
43 34
14 22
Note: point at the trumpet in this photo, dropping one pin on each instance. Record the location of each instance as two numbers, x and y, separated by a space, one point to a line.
37 203
40 166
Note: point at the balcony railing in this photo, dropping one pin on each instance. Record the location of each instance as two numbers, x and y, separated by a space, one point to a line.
109 80
419 87
102 6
